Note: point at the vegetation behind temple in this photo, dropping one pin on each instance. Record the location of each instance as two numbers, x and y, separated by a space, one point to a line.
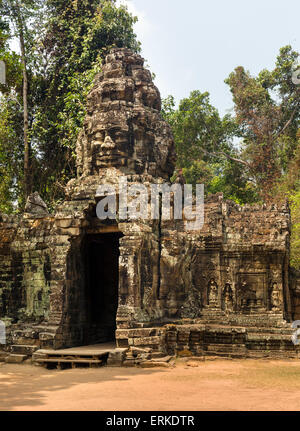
65 43
251 155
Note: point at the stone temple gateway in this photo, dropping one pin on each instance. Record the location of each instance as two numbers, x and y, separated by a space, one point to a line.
69 279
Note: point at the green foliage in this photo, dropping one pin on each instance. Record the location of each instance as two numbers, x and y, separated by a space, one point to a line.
198 128
77 37
204 144
65 44
234 183
11 59
266 121
11 150
268 112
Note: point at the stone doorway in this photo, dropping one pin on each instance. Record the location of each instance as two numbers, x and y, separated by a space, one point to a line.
101 252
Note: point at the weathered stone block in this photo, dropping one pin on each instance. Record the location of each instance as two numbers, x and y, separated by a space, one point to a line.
15 359
23 349
146 341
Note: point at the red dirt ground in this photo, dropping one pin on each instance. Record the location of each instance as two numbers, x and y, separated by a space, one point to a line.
211 385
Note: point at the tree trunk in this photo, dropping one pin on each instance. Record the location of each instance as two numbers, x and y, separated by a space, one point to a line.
27 173
27 147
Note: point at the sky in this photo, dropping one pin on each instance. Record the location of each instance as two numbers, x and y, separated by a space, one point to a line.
195 44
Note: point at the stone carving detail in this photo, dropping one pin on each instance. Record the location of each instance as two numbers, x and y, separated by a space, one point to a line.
203 272
193 305
172 303
252 292
275 297
213 294
247 296
227 298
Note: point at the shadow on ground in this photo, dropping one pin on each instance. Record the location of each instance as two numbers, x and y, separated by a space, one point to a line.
28 385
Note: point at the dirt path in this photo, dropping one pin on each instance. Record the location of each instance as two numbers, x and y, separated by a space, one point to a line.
211 385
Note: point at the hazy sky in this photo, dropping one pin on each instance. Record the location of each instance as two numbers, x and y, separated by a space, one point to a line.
195 44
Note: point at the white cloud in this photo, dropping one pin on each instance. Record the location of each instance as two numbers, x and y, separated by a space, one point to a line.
143 26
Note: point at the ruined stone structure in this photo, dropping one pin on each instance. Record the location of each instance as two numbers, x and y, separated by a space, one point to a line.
69 279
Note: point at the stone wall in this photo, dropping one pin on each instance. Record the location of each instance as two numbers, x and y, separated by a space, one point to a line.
239 252
25 269
294 280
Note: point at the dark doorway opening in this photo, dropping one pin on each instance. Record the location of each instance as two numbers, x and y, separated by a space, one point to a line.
102 280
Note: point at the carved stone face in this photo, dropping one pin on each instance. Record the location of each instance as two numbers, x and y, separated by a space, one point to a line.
124 143
123 127
112 147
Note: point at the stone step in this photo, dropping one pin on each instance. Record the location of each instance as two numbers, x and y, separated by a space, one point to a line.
25 341
92 354
278 331
70 361
46 328
225 348
15 359
267 336
23 349
273 354
264 322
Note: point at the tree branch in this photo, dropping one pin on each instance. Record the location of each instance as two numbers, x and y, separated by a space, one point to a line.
221 153
286 124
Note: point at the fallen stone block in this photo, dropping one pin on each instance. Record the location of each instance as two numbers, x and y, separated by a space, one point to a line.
15 359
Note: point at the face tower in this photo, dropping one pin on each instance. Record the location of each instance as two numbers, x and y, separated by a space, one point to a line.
124 132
